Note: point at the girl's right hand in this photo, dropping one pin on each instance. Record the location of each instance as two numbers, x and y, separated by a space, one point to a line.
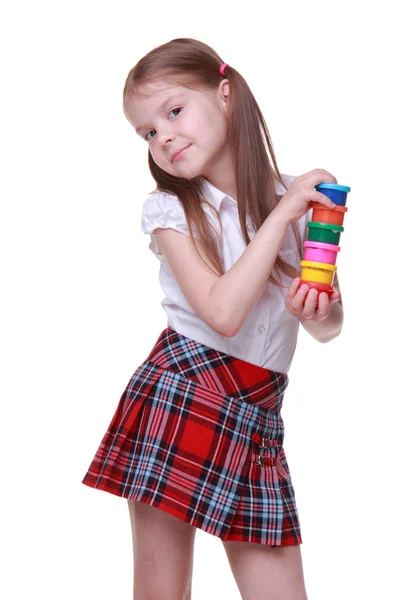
295 203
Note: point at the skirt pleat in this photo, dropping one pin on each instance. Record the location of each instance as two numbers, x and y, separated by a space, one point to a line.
198 433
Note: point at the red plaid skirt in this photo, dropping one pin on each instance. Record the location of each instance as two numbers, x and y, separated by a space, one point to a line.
198 433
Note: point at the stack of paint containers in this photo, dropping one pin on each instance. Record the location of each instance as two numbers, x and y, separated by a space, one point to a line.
322 246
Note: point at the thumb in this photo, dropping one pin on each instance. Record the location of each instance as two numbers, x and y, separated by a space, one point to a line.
322 199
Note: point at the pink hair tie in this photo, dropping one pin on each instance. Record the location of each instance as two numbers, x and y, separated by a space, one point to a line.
222 68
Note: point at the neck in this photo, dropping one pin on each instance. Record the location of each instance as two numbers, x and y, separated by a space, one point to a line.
222 175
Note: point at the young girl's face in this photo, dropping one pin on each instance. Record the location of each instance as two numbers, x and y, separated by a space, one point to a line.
185 129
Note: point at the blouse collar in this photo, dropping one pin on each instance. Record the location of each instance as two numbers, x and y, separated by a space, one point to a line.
214 195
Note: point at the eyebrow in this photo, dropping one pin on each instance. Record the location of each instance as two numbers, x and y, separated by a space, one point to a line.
161 107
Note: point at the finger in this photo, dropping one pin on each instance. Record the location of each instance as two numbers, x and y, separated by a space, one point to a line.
297 304
323 306
310 305
324 176
292 290
300 299
335 296
322 199
318 176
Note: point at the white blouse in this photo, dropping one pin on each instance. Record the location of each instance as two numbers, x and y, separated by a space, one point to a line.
268 337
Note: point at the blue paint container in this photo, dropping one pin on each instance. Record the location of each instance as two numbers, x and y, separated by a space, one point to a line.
335 192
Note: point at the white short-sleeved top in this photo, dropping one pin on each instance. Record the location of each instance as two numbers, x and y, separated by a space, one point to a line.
268 337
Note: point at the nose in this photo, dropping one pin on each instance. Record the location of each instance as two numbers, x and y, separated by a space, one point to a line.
166 136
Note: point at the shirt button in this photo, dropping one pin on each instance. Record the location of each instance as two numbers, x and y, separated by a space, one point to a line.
262 329
249 228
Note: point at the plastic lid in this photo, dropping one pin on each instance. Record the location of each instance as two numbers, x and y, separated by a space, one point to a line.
337 208
321 246
325 226
333 186
318 265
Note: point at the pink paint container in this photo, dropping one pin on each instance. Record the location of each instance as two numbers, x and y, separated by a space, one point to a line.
321 252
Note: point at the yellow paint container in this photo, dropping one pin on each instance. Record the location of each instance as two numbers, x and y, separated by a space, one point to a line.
317 272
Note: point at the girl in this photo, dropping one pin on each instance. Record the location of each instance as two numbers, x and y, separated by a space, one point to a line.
196 439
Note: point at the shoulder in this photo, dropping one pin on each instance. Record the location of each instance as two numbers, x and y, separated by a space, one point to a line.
158 201
164 211
160 207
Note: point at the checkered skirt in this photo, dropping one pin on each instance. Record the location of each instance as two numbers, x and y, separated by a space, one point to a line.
198 433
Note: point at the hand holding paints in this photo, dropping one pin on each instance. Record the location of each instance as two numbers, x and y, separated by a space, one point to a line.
318 266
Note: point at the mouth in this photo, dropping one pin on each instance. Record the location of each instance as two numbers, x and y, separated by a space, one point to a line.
177 155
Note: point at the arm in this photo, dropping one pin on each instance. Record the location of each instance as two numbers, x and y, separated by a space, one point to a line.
224 302
239 289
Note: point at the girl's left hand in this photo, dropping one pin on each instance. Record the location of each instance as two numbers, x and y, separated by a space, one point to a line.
313 308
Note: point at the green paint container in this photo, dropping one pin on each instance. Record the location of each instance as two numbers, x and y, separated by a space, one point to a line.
326 233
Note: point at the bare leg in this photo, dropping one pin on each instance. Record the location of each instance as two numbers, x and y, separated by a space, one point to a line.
163 548
265 573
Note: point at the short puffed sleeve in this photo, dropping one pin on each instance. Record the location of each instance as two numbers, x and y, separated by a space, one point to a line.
165 211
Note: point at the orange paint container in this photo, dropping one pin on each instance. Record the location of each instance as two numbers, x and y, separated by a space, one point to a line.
322 214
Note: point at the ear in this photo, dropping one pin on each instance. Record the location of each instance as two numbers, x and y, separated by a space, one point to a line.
223 90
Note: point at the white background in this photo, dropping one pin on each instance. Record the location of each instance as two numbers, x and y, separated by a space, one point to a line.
81 298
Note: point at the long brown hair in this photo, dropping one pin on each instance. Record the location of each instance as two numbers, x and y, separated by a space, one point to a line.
189 62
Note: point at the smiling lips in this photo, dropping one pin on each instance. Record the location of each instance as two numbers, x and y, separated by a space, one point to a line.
177 155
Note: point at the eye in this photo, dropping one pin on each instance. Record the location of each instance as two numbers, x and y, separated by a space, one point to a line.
147 134
175 112
175 109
